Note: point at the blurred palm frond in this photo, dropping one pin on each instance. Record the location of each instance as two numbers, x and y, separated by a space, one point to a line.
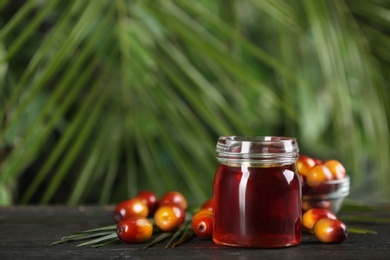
100 99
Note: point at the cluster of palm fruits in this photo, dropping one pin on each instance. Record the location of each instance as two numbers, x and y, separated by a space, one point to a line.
137 217
324 225
319 180
315 172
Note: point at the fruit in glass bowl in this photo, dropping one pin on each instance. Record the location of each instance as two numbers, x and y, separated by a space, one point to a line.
325 184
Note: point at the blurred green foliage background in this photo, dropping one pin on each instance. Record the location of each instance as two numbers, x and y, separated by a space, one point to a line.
102 98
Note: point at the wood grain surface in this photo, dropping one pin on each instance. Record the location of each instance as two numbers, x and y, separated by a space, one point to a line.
27 231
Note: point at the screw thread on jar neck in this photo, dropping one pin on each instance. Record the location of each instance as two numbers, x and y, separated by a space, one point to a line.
259 151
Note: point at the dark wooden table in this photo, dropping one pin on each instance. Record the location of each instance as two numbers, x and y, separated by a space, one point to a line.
27 231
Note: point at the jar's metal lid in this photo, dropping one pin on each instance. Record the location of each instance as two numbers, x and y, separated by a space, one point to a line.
257 148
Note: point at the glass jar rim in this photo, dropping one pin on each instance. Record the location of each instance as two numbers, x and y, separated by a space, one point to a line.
255 148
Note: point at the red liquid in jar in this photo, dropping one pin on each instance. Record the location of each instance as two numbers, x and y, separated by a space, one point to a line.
257 207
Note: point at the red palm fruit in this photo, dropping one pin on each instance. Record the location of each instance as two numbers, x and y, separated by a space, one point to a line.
336 168
202 224
169 217
150 199
130 208
174 197
209 205
311 216
304 164
134 230
329 230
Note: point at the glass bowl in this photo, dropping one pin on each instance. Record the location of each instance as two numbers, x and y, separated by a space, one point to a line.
329 195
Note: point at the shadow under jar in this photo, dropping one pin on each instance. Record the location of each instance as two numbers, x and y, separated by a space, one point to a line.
257 192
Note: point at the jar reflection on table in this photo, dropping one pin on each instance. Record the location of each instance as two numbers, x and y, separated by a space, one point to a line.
257 193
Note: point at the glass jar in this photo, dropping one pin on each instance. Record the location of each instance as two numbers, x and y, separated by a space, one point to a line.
257 192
